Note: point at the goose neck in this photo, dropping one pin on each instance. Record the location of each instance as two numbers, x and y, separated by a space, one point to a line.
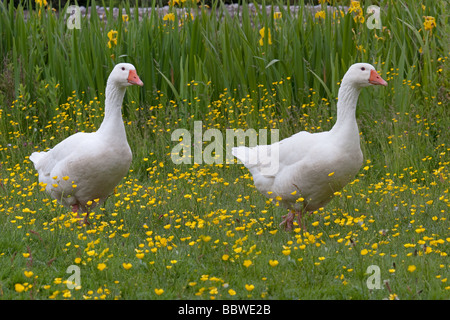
346 108
112 120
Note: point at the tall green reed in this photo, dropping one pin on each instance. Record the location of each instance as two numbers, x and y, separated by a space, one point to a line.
223 52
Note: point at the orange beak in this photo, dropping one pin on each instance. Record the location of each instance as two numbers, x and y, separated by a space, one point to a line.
376 79
133 78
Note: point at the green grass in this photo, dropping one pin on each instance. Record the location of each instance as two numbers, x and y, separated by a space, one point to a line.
204 231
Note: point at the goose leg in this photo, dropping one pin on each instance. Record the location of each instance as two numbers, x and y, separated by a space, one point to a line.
75 208
299 219
86 218
288 220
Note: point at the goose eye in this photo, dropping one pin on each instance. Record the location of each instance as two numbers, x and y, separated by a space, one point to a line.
123 68
362 68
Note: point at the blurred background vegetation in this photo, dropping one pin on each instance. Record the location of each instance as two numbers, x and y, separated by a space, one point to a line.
148 3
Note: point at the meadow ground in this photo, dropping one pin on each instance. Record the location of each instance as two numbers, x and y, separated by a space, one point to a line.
202 231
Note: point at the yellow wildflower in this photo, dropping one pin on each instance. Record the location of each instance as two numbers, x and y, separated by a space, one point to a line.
41 2
101 266
273 263
429 23
19 287
112 36
139 255
355 6
231 292
320 14
393 296
127 266
249 287
411 268
262 32
169 16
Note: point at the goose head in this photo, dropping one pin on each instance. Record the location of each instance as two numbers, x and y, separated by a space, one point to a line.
124 75
363 75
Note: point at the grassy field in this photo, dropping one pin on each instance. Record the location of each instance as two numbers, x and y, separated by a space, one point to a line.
202 231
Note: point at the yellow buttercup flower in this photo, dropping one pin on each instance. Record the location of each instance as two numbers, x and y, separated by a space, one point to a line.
101 266
393 296
411 268
139 255
231 292
19 287
249 287
273 263
127 266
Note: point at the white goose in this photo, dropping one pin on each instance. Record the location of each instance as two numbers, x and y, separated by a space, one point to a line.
83 170
305 170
